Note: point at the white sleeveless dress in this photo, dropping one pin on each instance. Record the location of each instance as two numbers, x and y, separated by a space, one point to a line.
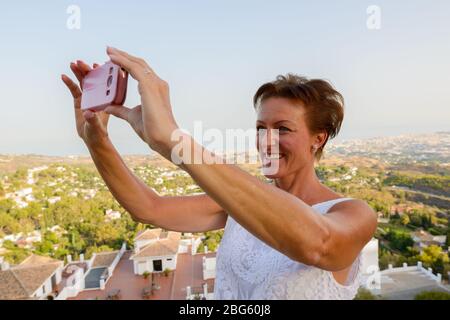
249 269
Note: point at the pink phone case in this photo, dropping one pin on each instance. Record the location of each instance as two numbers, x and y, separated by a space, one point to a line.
103 86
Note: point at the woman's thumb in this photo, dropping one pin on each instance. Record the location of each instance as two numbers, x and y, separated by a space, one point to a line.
120 112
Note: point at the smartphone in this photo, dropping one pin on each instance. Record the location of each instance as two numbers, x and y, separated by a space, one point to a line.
103 86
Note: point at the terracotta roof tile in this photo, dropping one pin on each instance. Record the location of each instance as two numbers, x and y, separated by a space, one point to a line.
33 277
34 260
11 287
148 234
21 281
174 235
104 259
163 247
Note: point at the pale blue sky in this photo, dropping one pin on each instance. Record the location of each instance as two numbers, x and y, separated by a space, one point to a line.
215 55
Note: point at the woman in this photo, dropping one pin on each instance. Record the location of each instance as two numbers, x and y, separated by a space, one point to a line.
294 239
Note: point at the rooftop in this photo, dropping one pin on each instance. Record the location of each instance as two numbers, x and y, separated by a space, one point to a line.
104 259
189 272
21 281
11 287
35 259
406 284
161 247
148 234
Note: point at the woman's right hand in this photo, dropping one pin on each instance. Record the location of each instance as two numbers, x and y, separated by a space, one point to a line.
91 126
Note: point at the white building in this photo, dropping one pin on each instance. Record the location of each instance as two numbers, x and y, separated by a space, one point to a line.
204 292
369 257
112 215
155 251
401 283
209 268
53 200
24 192
404 283
424 239
35 278
92 274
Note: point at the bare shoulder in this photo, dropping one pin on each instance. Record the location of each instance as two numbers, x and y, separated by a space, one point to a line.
354 206
351 205
356 211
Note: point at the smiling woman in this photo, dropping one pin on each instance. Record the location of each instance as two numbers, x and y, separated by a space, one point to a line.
294 239
323 105
305 114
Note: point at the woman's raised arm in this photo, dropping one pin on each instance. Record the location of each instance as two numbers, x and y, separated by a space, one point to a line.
280 219
185 214
197 213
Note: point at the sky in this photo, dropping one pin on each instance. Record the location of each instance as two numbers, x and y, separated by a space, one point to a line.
215 54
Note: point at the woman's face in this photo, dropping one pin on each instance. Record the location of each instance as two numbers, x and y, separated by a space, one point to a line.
294 140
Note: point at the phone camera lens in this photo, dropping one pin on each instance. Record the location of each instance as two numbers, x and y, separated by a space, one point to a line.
109 82
111 70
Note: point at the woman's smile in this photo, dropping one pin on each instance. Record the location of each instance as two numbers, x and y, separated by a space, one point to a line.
268 159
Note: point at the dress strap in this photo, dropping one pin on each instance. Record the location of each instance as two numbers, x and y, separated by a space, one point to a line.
333 201
325 206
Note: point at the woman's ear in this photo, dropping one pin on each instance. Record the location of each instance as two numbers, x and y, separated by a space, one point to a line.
320 139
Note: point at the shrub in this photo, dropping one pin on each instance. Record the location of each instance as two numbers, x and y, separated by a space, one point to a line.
432 295
365 294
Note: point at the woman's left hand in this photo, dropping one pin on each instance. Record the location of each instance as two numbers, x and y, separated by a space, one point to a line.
158 122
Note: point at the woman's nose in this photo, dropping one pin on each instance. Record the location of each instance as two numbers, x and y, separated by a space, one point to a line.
268 140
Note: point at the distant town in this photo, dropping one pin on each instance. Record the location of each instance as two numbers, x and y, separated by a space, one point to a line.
63 236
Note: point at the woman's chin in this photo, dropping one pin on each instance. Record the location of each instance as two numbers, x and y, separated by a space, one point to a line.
272 173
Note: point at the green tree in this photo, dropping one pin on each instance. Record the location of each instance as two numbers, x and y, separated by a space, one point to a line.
2 190
75 242
94 249
433 257
432 295
212 240
14 254
399 240
447 240
405 219
6 205
44 247
364 294
52 237
8 224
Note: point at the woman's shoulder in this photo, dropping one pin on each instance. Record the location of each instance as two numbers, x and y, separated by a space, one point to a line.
355 208
350 203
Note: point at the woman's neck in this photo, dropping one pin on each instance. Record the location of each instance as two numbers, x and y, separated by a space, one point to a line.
305 185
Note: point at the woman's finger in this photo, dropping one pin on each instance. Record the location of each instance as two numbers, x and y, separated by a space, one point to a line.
76 71
139 71
137 60
134 69
121 112
83 67
76 94
74 89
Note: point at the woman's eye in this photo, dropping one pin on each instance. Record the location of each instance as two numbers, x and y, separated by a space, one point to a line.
284 129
